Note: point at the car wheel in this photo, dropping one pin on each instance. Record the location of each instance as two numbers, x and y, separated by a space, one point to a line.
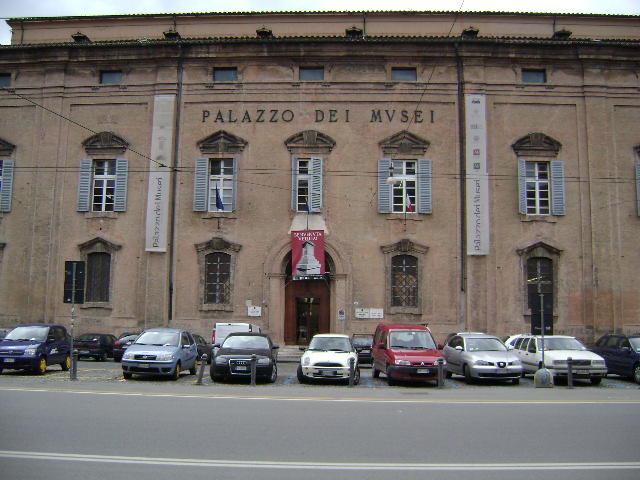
595 380
176 372
66 365
274 374
301 376
212 374
117 359
467 375
516 381
42 366
102 357
375 373
390 381
127 375
636 373
193 370
356 376
448 374
0 369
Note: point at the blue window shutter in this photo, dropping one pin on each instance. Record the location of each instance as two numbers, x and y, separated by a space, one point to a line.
557 188
315 202
122 173
201 185
638 186
384 189
84 185
234 205
424 186
7 185
294 183
522 186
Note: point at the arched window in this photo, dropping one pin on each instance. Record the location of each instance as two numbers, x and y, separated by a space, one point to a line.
217 289
404 281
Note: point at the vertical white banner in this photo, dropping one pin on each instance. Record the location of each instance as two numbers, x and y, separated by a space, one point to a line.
159 173
477 175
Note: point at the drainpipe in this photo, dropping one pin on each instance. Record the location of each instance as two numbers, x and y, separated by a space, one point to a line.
462 166
174 185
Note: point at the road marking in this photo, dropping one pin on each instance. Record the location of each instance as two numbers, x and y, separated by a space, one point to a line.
215 396
274 465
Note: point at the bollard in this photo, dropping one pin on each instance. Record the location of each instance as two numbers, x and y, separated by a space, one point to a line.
352 371
74 365
253 370
569 372
440 363
203 361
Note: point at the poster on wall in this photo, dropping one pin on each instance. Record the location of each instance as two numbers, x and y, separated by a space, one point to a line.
477 175
307 254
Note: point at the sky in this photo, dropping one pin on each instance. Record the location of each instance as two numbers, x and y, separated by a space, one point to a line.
63 8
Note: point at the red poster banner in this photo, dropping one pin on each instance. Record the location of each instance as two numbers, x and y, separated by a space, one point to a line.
307 253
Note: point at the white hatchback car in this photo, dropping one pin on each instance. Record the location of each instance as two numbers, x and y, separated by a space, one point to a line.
328 357
557 349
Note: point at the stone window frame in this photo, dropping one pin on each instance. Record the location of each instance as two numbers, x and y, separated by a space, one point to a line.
539 250
403 247
100 245
215 245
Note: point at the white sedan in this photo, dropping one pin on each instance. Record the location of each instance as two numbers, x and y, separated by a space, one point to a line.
329 357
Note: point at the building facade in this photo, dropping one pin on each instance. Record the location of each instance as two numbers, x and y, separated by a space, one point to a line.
471 171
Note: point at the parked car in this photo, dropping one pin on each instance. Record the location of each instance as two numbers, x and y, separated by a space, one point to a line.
121 344
34 347
328 357
621 354
233 358
3 332
478 356
161 351
405 351
95 345
363 343
511 340
557 349
204 347
221 330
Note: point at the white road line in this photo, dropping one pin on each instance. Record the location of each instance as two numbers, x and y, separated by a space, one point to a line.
179 462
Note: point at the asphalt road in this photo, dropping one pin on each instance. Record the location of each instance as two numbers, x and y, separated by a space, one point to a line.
101 426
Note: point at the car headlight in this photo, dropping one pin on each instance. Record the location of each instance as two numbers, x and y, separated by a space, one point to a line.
164 357
403 362
264 361
31 350
306 361
128 355
221 360
600 363
483 363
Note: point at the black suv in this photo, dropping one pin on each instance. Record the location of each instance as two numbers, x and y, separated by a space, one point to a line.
621 353
33 347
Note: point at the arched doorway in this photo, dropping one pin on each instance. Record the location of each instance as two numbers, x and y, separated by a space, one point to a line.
307 306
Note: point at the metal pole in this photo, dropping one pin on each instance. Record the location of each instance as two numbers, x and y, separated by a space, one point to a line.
352 362
440 364
74 357
253 370
570 372
542 325
203 362
74 365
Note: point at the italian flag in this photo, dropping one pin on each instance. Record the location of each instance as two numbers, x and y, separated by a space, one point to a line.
409 204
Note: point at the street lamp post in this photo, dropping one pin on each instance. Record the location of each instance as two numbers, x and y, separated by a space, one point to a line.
542 378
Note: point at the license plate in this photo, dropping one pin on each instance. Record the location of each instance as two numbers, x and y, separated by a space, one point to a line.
423 370
9 360
144 365
83 351
328 373
244 369
501 370
366 351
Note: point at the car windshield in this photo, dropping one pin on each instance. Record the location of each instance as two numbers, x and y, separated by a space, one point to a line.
87 337
485 345
338 344
362 341
415 339
168 339
635 343
25 334
248 342
563 344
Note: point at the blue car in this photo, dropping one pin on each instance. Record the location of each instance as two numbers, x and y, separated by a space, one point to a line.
621 353
161 351
33 347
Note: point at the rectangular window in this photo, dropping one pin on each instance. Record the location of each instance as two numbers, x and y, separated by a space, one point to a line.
104 186
98 277
532 75
404 192
404 281
217 282
306 184
111 77
311 74
404 74
5 79
225 74
6 184
538 188
220 185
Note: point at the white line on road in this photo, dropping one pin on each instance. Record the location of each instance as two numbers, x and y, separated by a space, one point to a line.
178 462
